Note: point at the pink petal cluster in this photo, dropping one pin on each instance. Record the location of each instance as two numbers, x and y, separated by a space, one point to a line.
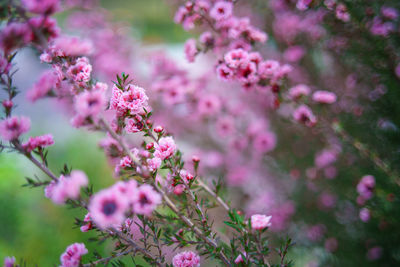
38 141
366 186
15 35
303 114
186 259
221 10
86 227
264 142
298 91
190 50
165 148
324 97
9 262
108 207
365 214
73 254
259 222
90 103
47 81
66 187
132 100
80 71
11 128
65 46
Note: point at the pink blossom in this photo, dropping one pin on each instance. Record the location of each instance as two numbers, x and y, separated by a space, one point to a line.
186 259
11 128
47 81
267 69
303 4
73 254
237 175
133 100
133 126
374 253
190 50
389 13
38 141
208 104
342 13
366 186
365 214
397 71
324 97
9 261
207 39
239 258
148 200
88 225
221 10
165 148
42 7
304 115
298 91
153 164
247 73
264 142
225 73
294 53
259 222
90 103
80 71
236 58
316 232
47 26
66 187
225 126
186 176
107 208
14 35
325 158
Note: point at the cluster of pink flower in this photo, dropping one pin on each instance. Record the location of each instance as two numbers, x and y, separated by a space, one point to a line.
73 255
384 24
108 207
365 189
186 259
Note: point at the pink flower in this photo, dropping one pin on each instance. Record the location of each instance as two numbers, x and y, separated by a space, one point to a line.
133 99
153 164
294 53
298 91
186 259
38 141
221 10
389 13
341 13
11 128
208 104
324 97
304 115
73 254
90 103
225 126
190 50
46 25
88 225
66 187
225 73
325 158
9 261
267 69
107 208
236 58
80 71
133 126
366 186
207 39
148 200
259 222
264 142
239 258
15 35
47 81
42 7
365 214
397 71
165 148
374 253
